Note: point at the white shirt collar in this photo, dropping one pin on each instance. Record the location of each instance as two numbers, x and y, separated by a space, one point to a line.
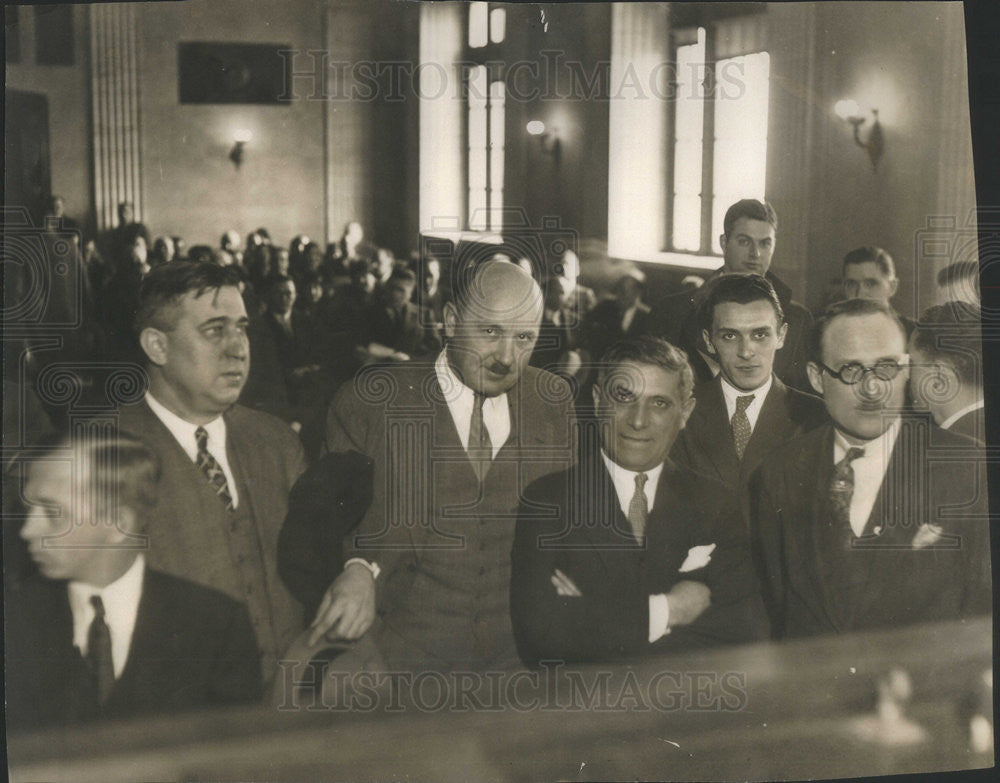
121 607
460 399
960 413
624 481
730 393
184 433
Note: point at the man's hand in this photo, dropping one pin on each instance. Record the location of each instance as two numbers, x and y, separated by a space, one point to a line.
687 601
348 608
564 585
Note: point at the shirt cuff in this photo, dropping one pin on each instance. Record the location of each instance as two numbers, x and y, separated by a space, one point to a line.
659 617
373 567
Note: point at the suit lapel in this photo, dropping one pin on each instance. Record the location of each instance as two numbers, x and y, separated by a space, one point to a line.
718 435
599 513
771 430
814 534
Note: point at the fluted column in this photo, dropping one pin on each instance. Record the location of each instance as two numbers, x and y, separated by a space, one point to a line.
115 95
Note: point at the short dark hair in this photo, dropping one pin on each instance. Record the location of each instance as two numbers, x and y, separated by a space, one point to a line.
960 270
121 469
847 307
873 254
647 349
271 282
166 284
950 334
749 208
739 289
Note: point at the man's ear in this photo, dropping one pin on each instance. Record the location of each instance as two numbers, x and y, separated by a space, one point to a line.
815 377
450 319
782 333
687 409
722 242
893 287
154 344
706 338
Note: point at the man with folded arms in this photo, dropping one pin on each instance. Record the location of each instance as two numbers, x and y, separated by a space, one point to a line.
626 553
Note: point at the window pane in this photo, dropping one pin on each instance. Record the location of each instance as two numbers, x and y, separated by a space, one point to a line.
740 154
478 21
498 24
477 148
689 123
477 210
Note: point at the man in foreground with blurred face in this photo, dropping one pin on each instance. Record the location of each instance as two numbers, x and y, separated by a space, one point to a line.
642 556
454 444
852 518
98 633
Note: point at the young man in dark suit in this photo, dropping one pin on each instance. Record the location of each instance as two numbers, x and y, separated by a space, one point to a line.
97 633
626 553
868 522
748 241
745 412
947 373
869 273
227 470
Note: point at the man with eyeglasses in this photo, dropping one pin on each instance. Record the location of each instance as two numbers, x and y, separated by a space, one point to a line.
854 519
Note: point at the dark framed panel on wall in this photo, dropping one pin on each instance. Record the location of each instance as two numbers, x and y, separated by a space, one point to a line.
233 73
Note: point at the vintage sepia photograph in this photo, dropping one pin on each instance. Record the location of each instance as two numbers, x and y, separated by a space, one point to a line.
438 390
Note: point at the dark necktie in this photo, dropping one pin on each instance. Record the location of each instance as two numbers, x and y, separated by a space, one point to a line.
480 446
741 424
638 509
841 492
211 469
102 667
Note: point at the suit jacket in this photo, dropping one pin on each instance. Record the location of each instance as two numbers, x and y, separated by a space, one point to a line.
971 425
706 443
326 503
573 521
191 647
189 531
442 540
814 585
676 319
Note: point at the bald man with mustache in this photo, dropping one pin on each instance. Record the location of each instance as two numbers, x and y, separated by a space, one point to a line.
454 443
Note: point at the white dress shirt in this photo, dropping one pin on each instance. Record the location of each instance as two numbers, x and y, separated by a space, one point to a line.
121 607
460 399
730 393
869 472
624 482
946 424
183 432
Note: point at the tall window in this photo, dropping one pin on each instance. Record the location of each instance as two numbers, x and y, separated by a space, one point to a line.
486 117
718 137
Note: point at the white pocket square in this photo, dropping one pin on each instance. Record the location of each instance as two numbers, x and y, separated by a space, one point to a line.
697 557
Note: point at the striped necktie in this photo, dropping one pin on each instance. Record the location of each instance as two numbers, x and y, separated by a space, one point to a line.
211 469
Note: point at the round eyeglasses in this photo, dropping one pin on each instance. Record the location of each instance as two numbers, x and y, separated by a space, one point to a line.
855 372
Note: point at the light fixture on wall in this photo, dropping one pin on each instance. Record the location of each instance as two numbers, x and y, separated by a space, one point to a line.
548 140
241 137
849 111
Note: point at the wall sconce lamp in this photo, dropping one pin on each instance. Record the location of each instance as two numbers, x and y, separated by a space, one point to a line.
241 138
548 140
849 111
